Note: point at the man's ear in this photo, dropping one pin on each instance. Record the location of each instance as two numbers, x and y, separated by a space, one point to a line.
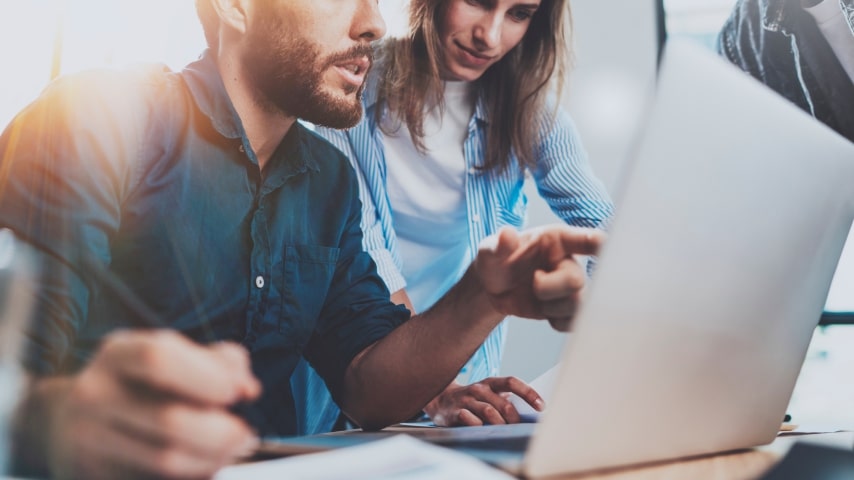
232 13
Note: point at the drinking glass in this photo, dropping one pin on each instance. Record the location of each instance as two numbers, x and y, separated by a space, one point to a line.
17 292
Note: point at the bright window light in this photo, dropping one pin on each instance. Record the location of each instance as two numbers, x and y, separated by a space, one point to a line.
66 36
110 33
26 46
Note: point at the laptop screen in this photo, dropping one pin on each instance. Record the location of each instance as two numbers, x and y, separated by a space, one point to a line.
839 307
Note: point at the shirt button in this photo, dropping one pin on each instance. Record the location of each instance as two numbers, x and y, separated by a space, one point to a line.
242 150
472 171
259 281
475 218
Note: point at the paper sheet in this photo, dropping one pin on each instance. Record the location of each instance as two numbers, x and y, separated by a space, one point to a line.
812 428
398 457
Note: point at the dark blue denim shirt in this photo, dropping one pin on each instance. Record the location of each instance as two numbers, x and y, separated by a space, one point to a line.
780 44
150 171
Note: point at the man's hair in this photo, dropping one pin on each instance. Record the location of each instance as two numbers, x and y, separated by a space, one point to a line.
514 89
210 22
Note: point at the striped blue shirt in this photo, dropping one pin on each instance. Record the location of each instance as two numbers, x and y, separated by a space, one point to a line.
494 199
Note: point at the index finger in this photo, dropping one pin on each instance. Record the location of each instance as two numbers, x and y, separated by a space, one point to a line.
565 241
521 389
169 363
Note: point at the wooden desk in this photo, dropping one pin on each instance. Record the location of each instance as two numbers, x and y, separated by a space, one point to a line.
748 464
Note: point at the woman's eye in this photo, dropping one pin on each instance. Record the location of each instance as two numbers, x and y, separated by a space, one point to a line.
522 15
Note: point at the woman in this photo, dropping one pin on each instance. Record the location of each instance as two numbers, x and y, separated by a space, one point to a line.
456 113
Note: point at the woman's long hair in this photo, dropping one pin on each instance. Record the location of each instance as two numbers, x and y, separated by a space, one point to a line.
514 89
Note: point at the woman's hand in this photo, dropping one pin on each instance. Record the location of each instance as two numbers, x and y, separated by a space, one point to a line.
484 402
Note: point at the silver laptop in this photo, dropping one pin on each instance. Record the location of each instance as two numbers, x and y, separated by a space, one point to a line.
729 225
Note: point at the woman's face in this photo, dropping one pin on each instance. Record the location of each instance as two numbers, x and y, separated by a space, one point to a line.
475 34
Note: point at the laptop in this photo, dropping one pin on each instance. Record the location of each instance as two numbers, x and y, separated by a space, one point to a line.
730 222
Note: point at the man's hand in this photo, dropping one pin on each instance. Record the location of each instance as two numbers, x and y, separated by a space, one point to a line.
150 404
537 273
482 402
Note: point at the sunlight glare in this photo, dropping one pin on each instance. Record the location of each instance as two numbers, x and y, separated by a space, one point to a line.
95 34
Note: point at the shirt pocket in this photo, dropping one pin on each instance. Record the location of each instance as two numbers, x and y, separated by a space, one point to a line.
308 273
511 206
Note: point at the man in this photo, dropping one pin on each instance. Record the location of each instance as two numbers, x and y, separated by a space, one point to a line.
803 49
201 192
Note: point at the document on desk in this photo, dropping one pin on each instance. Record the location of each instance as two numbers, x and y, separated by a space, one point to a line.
544 385
398 457
811 429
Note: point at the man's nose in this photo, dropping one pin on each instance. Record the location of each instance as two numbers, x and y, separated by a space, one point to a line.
368 24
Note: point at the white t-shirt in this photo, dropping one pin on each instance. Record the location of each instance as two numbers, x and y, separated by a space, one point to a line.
427 196
833 25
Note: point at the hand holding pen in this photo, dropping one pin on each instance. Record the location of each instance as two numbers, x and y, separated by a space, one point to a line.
151 403
149 319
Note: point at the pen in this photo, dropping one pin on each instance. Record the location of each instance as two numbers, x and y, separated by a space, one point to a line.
145 315
96 271
247 410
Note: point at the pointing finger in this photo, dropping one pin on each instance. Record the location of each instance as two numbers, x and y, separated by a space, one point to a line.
569 241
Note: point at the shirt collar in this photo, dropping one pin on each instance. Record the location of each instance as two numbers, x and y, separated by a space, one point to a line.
480 109
291 158
205 84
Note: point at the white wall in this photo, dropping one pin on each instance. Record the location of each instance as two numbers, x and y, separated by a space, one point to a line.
616 50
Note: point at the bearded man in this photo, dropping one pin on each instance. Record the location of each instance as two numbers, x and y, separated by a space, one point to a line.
239 227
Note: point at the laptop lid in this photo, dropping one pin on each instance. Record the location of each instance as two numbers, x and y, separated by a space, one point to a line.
729 226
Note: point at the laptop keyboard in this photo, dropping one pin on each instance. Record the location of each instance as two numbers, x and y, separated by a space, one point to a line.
504 444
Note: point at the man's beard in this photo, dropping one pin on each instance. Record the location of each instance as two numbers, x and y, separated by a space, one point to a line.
287 74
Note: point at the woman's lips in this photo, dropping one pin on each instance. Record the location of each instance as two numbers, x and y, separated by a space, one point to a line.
472 58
